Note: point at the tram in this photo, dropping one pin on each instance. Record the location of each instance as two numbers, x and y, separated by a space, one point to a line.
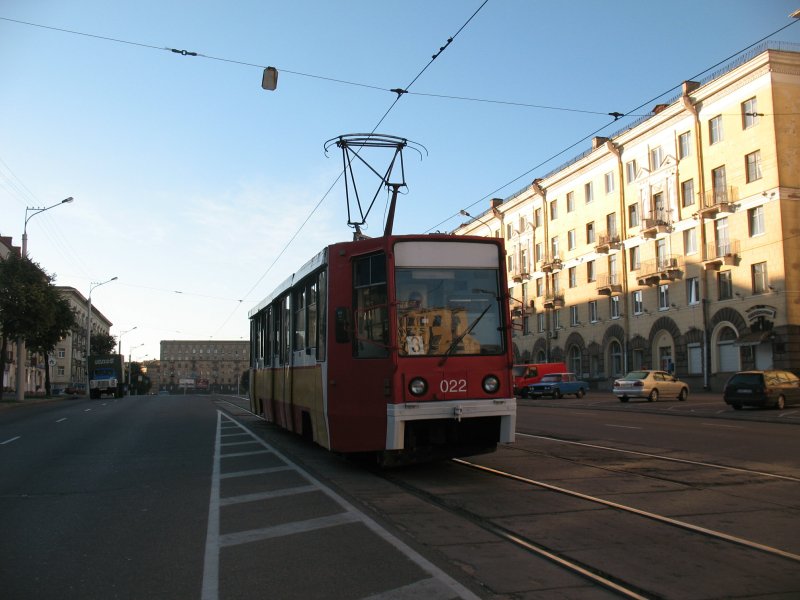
396 346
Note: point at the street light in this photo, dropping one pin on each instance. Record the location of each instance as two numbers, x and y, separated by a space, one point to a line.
92 286
123 333
130 365
21 355
466 214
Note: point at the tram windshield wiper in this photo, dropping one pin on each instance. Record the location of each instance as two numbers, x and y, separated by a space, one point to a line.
469 329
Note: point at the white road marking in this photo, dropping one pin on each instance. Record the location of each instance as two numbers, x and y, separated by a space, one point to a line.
622 426
8 441
61 420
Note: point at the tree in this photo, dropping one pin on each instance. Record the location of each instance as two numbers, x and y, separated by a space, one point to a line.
24 300
103 344
59 320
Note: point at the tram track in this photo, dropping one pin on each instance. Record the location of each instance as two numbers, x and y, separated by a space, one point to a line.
609 579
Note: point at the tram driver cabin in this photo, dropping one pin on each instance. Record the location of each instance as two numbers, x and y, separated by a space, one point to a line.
397 346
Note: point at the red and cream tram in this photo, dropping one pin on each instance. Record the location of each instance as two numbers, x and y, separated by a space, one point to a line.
398 346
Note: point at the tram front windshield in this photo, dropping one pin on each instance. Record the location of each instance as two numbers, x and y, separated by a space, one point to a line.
448 311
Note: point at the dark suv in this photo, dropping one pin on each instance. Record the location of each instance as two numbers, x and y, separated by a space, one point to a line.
762 388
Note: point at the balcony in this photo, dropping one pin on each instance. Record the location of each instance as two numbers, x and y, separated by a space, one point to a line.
520 274
554 300
717 201
658 222
607 242
719 254
550 264
609 284
665 269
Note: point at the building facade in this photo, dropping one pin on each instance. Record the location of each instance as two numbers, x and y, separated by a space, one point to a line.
672 244
201 365
69 360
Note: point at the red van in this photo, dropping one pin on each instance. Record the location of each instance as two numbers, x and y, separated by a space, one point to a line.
524 375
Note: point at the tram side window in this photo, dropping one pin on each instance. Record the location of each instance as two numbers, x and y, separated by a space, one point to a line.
322 294
299 319
370 311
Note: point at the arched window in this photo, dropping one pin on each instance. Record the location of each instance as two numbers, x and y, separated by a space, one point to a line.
615 358
575 360
541 356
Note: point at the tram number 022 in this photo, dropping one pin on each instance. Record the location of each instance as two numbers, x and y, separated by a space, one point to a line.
452 386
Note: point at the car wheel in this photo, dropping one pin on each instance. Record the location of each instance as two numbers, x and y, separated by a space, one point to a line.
683 395
556 394
579 393
781 403
623 399
653 397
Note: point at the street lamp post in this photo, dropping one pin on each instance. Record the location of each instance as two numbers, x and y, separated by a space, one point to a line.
21 355
123 333
89 327
130 365
466 214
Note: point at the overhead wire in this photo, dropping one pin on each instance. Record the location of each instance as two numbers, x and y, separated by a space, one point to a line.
626 114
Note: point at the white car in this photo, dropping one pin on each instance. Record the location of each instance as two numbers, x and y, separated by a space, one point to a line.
651 385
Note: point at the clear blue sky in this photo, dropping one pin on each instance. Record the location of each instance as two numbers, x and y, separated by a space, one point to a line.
188 177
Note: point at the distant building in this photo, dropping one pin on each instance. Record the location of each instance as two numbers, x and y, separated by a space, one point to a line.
201 365
672 243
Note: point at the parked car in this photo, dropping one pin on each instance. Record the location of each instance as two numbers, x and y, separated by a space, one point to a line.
650 384
762 388
525 375
557 385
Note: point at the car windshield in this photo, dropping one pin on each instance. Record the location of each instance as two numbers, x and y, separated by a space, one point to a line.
635 375
551 378
448 311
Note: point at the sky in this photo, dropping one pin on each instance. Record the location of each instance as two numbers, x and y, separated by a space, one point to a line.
201 192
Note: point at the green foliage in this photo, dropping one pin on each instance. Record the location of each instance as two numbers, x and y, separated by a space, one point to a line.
103 344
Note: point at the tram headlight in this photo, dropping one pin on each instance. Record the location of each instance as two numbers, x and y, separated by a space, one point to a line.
491 384
418 386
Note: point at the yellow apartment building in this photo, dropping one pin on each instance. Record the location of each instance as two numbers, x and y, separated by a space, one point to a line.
674 243
214 366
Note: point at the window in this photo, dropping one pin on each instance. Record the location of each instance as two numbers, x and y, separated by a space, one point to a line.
538 252
593 311
609 179
753 165
693 290
590 233
557 318
62 353
573 316
509 231
715 130
663 297
749 113
695 359
638 302
573 277
687 192
635 258
613 303
554 247
588 192
630 170
724 285
570 201
590 272
571 243
615 354
611 225
759 277
719 185
61 371
755 220
510 260
684 144
539 287
575 364
690 241
554 210
540 322
371 313
633 215
656 158
537 217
